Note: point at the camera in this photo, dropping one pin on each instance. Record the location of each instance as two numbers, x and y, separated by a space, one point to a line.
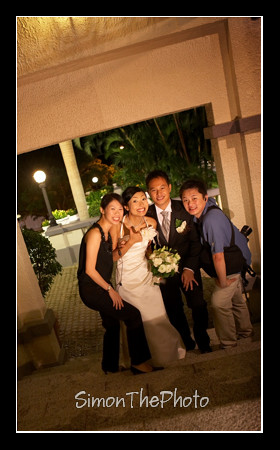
246 230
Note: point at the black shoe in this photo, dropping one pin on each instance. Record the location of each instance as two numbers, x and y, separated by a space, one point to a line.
111 370
206 349
190 345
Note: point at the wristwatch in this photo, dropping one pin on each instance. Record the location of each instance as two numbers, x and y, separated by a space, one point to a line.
109 287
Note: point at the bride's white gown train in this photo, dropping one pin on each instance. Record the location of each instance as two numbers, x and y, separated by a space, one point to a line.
135 285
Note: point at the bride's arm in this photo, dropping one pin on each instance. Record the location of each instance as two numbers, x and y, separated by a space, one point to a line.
120 250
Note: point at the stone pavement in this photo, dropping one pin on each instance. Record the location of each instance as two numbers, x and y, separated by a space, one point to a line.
218 391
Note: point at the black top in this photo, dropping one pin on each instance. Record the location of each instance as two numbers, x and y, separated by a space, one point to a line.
104 262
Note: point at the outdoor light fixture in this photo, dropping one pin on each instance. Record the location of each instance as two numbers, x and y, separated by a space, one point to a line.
40 178
94 179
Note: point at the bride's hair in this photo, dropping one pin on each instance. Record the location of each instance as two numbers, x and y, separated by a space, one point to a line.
129 192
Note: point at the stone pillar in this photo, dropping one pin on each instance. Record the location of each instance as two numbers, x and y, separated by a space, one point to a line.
236 141
239 194
38 345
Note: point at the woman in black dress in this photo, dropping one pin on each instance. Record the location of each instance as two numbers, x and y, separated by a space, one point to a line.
96 291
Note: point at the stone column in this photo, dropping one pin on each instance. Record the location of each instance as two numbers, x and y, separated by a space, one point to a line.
74 178
239 196
38 345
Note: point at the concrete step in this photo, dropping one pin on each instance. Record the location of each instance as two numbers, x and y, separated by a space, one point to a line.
218 391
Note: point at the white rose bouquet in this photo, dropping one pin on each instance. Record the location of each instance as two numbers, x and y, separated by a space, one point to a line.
164 263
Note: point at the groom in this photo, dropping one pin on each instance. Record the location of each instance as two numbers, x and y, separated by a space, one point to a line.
167 212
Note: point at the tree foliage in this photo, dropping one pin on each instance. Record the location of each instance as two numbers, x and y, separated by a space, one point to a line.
173 143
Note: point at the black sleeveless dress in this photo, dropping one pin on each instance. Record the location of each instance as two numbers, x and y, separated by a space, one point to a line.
97 298
104 263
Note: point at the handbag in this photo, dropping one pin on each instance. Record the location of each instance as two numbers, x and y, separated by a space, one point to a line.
234 259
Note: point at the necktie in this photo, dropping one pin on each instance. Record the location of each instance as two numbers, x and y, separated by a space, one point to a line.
165 224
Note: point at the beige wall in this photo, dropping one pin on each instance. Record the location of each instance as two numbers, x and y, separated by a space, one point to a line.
127 89
31 305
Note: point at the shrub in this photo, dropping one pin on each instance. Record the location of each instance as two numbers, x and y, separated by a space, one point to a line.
93 200
45 223
43 258
59 214
71 212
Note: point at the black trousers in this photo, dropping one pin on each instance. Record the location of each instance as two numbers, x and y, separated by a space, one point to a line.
98 299
172 297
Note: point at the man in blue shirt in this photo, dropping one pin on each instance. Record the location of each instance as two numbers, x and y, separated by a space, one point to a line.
230 312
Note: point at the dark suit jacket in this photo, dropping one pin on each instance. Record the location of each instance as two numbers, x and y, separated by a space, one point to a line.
187 244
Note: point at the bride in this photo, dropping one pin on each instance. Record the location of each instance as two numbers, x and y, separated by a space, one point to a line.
135 281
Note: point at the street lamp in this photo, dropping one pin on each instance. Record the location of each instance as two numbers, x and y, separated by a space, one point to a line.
40 178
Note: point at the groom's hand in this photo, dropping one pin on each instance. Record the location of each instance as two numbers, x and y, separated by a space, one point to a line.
188 279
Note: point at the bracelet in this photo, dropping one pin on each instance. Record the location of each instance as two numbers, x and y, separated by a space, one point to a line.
119 252
108 288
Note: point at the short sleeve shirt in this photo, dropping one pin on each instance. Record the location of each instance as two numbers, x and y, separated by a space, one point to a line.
217 232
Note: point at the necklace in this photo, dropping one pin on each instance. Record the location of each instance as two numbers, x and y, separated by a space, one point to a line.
135 226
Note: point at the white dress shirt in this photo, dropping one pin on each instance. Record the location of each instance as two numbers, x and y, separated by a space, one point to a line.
160 219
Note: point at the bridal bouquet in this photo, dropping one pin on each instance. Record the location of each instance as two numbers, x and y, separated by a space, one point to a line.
164 263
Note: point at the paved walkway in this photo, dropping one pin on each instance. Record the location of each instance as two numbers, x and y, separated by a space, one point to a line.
219 391
80 329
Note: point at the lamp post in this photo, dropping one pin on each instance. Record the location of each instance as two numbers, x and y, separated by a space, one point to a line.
40 178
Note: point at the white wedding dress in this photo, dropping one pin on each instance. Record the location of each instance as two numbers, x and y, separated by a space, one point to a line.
135 286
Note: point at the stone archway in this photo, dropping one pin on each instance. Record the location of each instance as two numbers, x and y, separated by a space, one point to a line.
156 70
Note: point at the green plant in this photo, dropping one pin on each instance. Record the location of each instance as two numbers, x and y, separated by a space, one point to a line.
93 199
71 212
59 214
45 223
43 258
